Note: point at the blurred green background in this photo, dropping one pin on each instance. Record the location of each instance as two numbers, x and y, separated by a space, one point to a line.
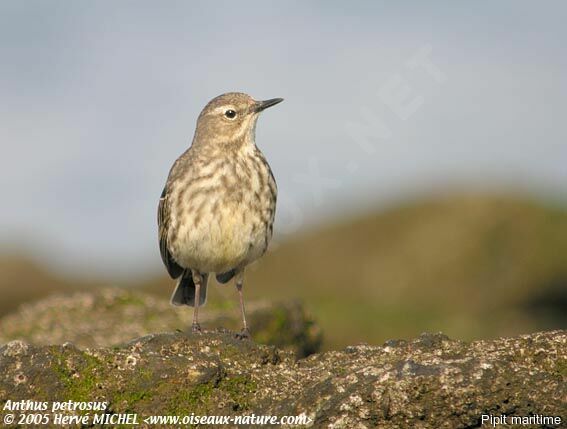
420 153
470 265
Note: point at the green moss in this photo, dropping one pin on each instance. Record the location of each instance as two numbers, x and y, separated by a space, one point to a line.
81 382
206 397
230 351
130 398
271 332
189 401
137 388
239 389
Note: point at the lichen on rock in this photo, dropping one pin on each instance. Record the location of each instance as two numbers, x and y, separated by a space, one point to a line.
431 381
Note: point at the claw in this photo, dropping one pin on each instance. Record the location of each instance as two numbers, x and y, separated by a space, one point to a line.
196 328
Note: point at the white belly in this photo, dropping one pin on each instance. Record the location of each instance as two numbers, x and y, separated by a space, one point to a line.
228 238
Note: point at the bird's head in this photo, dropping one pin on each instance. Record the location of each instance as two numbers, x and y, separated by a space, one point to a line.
230 118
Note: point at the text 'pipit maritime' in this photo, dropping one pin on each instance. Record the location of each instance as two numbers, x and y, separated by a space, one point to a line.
217 209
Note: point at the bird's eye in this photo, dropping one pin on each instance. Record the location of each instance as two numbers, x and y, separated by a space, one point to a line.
230 114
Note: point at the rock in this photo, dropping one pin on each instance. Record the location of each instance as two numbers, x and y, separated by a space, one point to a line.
112 316
428 382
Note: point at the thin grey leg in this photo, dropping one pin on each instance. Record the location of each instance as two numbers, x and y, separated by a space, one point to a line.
245 333
198 280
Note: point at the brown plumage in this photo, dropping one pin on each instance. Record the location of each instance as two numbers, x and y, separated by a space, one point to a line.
217 209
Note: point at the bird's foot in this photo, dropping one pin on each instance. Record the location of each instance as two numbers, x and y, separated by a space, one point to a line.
196 328
244 334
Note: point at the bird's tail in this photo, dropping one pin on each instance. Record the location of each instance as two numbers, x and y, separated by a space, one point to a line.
184 293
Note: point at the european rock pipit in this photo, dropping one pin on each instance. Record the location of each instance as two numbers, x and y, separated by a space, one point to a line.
217 209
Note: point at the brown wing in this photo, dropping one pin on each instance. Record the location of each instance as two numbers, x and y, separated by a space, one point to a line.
173 268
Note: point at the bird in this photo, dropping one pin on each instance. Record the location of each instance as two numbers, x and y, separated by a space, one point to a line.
216 212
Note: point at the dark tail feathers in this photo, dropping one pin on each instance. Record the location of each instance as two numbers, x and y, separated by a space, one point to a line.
226 277
184 293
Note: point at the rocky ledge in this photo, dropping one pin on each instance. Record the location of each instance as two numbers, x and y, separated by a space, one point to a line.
429 382
113 316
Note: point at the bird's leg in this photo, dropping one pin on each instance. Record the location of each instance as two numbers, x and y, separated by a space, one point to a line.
197 279
245 333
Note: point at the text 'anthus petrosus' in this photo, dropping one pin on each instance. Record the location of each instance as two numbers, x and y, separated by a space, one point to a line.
217 209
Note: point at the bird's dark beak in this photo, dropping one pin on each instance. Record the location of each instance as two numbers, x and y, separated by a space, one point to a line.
261 105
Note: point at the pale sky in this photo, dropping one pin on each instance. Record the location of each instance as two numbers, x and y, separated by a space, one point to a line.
99 98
